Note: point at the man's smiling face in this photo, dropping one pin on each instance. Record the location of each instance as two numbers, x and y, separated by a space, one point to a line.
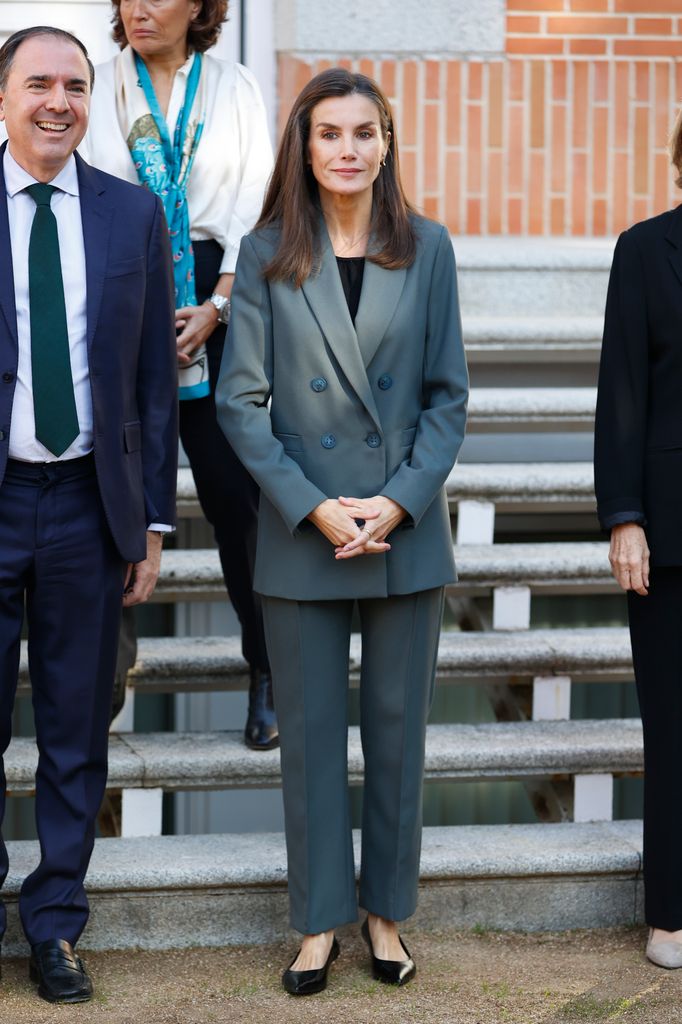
45 104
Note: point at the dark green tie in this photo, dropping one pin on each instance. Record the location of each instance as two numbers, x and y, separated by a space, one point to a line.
54 403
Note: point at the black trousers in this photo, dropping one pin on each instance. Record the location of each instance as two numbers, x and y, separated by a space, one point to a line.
656 632
227 494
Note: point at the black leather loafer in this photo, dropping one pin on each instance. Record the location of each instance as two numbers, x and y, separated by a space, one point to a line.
261 732
391 972
59 973
307 983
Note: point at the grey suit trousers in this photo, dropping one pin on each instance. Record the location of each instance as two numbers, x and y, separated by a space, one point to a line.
308 643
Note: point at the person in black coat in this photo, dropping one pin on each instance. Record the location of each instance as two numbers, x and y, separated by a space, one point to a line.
638 482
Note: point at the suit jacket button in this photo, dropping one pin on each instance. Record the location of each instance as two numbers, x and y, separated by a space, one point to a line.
318 384
328 441
385 381
373 440
8 377
2 435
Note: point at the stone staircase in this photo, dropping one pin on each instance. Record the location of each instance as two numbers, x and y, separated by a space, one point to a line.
533 363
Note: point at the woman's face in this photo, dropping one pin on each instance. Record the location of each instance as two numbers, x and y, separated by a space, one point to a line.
346 146
158 28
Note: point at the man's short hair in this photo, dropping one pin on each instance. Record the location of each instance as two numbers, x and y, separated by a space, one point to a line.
11 45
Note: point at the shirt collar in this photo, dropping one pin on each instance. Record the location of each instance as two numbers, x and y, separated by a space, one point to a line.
17 179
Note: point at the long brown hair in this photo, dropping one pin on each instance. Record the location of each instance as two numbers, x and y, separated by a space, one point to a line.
292 199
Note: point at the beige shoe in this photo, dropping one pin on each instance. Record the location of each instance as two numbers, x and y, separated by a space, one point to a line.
664 954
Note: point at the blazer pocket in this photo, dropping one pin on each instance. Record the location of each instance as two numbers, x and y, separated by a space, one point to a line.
290 442
665 447
408 436
118 268
132 436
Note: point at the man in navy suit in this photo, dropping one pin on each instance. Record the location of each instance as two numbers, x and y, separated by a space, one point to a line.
88 457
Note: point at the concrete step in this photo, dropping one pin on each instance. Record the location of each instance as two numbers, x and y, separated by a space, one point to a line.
536 339
195 575
194 664
180 891
531 409
525 486
462 753
511 486
532 277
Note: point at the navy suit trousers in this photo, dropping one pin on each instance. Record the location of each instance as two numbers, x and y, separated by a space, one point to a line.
59 563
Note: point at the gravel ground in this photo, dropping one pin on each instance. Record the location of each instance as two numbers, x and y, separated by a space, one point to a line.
463 978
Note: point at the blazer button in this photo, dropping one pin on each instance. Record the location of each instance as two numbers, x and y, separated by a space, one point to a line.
8 377
318 384
385 381
373 440
328 441
2 435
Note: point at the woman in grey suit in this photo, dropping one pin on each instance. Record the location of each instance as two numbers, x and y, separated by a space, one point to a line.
343 390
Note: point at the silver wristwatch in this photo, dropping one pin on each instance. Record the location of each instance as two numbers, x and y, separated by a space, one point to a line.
222 304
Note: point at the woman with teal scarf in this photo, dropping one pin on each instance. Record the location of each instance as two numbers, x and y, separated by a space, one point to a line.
192 129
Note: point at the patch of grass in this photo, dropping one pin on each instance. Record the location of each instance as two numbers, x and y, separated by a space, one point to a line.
243 990
588 1007
499 990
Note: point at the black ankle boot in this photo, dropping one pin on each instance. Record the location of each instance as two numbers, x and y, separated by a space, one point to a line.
261 724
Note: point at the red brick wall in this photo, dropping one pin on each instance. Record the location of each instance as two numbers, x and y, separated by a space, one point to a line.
565 135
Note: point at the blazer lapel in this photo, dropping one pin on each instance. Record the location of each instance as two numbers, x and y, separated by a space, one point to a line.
381 291
7 303
96 215
674 237
324 294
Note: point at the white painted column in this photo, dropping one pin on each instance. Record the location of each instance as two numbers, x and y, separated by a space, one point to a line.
141 812
511 608
551 698
475 522
593 798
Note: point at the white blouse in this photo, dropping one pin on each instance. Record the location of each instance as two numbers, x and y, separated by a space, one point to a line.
233 160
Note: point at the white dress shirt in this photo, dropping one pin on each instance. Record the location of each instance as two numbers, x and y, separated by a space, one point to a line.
65 204
233 159
23 443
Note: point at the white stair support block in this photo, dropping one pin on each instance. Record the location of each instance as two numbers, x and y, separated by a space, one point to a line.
141 812
551 698
125 719
593 798
475 522
511 608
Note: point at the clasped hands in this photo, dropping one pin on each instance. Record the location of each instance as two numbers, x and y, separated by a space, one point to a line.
338 519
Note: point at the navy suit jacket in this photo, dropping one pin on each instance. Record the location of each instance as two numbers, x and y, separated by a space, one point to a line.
131 352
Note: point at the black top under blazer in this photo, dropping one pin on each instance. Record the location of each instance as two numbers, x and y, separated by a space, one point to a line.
317 407
638 429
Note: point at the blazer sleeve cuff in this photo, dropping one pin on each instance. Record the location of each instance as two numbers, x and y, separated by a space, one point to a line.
620 518
400 493
296 511
620 510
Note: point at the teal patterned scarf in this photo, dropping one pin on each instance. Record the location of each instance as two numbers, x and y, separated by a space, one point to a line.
164 168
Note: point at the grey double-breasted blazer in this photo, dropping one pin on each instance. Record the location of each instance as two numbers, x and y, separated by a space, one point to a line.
316 408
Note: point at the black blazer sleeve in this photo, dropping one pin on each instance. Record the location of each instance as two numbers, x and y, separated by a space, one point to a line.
621 418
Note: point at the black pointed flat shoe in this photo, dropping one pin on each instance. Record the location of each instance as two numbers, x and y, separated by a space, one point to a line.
307 983
391 972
